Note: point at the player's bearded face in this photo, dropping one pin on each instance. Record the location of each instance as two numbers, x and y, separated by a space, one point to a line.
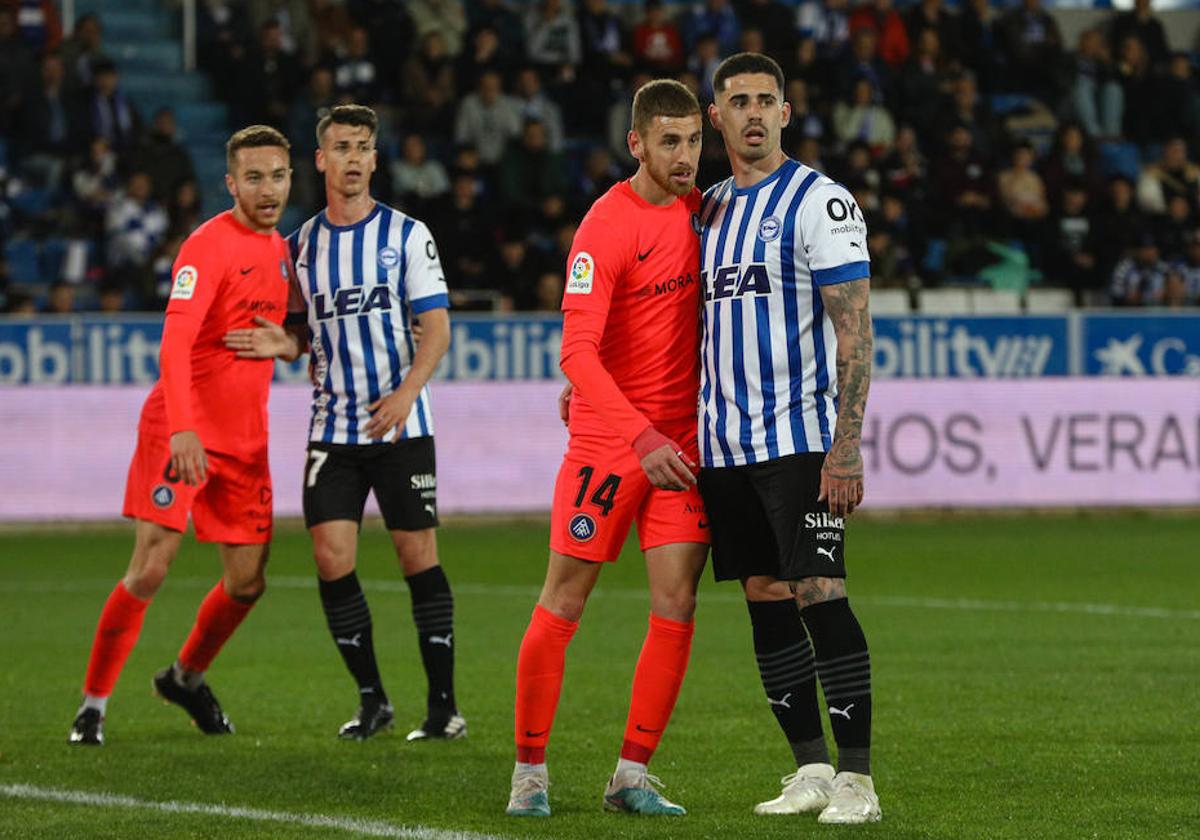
260 183
347 158
750 115
670 152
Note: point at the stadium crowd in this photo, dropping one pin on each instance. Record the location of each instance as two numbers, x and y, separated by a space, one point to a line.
980 146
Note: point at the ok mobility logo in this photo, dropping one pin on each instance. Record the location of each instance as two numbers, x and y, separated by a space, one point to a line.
970 347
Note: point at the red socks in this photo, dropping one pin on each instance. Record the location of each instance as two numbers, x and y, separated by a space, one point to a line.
116 633
218 616
539 681
656 683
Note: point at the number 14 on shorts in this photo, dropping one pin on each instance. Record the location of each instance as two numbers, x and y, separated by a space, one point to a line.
603 495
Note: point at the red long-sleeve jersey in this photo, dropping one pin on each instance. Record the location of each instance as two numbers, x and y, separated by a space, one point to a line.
632 316
225 275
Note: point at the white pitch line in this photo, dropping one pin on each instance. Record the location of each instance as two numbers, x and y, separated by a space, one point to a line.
370 828
727 596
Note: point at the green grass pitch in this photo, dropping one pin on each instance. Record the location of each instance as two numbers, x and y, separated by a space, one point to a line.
1035 677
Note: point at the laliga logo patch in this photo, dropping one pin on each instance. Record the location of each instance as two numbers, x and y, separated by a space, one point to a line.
769 229
185 283
162 496
582 527
388 257
579 278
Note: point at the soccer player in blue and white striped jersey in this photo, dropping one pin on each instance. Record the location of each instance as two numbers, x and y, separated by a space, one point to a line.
784 375
365 273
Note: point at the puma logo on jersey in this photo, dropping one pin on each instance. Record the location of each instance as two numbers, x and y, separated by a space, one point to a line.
827 552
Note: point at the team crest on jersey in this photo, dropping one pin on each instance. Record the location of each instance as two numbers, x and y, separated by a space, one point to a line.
185 283
769 229
582 527
696 223
283 272
388 257
579 278
162 496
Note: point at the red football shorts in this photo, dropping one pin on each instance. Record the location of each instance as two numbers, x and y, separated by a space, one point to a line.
232 506
601 489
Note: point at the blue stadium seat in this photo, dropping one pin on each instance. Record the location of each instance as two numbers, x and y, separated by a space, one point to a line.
32 201
1119 158
22 258
54 251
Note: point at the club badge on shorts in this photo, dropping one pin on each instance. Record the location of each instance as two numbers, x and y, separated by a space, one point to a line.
162 496
582 527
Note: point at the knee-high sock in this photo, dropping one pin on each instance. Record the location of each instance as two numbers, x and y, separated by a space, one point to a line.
656 682
539 681
117 632
789 676
844 666
433 614
349 620
219 615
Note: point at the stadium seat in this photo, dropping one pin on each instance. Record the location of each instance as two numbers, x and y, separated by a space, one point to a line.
1119 158
22 258
995 302
890 302
1048 301
951 301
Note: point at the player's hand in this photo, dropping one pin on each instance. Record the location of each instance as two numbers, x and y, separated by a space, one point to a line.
389 412
842 479
266 341
188 459
564 402
664 461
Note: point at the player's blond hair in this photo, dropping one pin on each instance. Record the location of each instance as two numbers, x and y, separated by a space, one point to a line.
253 137
662 98
348 115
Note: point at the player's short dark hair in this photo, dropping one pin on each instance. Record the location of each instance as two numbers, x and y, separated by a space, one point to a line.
348 115
743 63
253 137
662 98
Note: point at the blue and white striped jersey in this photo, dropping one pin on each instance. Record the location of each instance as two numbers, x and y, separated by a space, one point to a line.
768 381
362 284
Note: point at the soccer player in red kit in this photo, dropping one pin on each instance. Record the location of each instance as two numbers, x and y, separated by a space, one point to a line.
630 333
202 438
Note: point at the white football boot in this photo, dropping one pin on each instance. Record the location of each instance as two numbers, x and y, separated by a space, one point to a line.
853 801
804 792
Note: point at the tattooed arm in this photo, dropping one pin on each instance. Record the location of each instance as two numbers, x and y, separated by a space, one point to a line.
842 474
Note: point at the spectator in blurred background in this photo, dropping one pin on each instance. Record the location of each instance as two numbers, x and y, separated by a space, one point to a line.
1140 23
448 18
1178 100
16 71
1118 226
863 62
270 77
428 86
61 299
497 16
183 209
356 75
1186 291
824 21
416 179
923 84
487 119
113 116
1030 40
863 118
599 175
715 19
965 106
135 225
93 185
1173 174
82 51
461 218
530 170
297 34
552 39
484 52
39 25
1139 92
1140 279
931 15
164 158
534 104
657 44
1071 159
1071 255
1173 227
880 17
1097 100
52 126
1023 197
776 23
